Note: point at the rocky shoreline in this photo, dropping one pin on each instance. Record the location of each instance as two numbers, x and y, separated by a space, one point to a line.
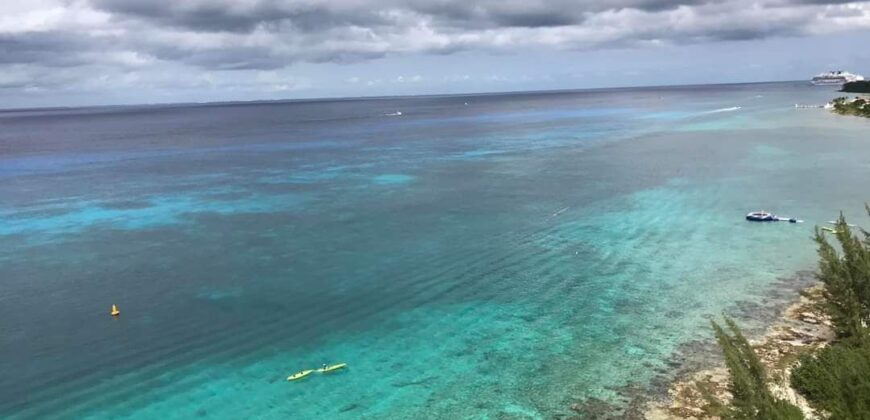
858 106
802 328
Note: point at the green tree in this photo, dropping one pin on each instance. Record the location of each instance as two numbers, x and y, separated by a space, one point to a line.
752 398
837 379
846 278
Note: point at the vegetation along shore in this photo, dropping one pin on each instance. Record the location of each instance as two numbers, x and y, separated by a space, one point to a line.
857 105
859 86
812 364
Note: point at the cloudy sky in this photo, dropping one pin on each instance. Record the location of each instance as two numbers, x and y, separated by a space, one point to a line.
86 52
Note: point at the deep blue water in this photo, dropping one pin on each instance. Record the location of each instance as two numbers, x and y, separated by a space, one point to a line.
489 256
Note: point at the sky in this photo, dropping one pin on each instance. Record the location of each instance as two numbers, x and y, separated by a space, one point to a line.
99 52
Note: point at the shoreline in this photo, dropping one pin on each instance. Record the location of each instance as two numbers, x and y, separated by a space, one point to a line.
857 106
666 398
801 328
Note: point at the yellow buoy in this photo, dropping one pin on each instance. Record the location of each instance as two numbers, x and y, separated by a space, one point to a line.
115 311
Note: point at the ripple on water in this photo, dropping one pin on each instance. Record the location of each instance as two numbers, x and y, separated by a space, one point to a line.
392 179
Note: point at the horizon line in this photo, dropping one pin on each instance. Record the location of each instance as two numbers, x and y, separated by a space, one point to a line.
375 97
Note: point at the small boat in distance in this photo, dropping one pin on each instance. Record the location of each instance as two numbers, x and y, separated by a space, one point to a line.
115 311
763 216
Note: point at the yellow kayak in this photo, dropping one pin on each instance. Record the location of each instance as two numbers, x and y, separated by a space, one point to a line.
299 375
332 368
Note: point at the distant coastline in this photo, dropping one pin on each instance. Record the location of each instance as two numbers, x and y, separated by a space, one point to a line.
857 106
860 86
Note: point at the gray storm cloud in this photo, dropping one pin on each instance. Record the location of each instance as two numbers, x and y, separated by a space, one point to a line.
228 35
268 34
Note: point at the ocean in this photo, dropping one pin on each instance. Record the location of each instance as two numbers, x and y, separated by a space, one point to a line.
478 256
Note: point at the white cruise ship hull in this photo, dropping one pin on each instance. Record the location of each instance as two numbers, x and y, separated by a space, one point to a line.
835 78
828 82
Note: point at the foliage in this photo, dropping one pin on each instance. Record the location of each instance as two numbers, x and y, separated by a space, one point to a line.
859 86
857 106
752 398
846 278
837 380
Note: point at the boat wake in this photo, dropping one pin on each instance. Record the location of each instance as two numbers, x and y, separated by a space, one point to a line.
729 109
559 212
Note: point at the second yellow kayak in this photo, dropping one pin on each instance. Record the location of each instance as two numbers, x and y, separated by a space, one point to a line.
299 375
332 368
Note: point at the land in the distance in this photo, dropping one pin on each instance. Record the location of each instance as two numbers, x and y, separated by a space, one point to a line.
856 106
859 86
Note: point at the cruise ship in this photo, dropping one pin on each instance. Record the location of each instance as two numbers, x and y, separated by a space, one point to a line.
835 78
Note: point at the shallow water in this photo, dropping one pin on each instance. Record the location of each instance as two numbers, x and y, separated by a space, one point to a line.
501 259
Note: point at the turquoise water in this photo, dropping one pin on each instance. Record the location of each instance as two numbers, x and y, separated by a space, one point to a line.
505 259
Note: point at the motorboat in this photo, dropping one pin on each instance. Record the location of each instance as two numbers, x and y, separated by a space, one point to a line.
763 216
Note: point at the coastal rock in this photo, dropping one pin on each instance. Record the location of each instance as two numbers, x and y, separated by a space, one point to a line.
809 317
803 327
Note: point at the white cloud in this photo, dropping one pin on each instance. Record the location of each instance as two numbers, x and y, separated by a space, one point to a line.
54 43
